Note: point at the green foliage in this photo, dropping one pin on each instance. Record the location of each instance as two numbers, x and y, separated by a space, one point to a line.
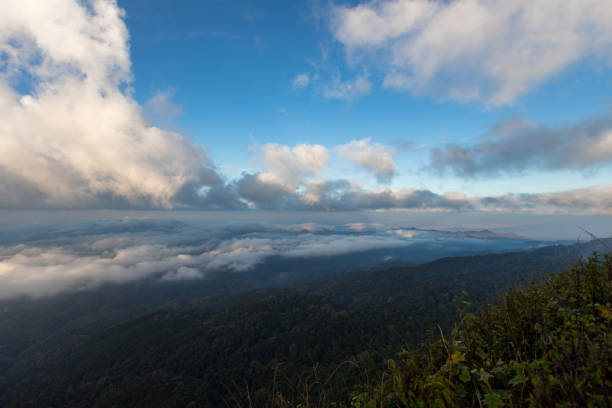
548 344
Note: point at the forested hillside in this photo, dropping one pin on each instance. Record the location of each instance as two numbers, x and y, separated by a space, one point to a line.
325 341
544 345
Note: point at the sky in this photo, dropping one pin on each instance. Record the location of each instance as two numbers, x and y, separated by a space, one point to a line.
235 133
278 75
425 105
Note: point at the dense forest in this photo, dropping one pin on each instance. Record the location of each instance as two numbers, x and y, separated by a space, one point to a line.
327 342
547 344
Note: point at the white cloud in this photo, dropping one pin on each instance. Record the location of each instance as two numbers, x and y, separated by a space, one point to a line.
373 157
409 234
42 271
287 169
76 137
374 23
493 50
182 273
300 81
289 166
161 109
350 89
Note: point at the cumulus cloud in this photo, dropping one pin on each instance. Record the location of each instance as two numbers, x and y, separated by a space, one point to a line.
287 169
349 89
292 179
344 195
209 193
516 145
75 137
161 109
262 191
373 157
388 198
292 164
475 49
300 81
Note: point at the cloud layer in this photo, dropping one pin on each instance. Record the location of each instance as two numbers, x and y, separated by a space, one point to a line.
515 146
373 157
71 135
491 50
69 257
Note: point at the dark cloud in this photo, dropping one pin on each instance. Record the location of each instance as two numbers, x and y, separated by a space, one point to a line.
390 199
403 145
217 197
263 194
15 191
595 199
590 200
515 146
406 199
341 195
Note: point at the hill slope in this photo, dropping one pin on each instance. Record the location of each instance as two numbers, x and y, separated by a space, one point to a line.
546 345
312 343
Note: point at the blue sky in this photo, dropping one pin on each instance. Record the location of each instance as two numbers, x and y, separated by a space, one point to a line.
316 105
230 70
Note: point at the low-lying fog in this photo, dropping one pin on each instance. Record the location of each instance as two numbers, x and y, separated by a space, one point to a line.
45 253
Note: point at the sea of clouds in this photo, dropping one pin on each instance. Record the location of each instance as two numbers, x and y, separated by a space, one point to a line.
47 253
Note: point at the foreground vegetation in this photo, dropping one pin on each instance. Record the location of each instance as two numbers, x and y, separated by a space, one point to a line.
548 344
